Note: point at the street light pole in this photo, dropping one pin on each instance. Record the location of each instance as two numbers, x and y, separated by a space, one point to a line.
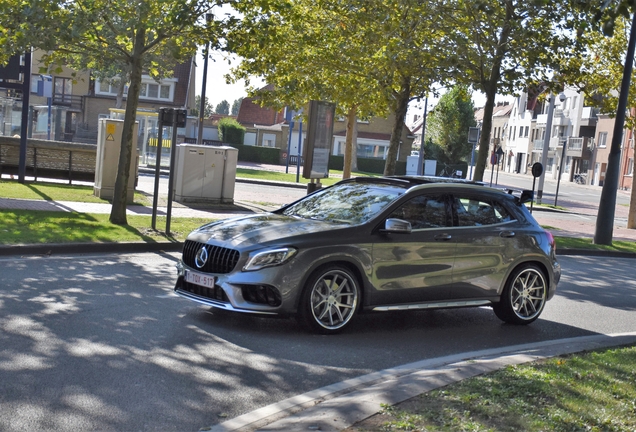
556 194
208 18
420 159
546 147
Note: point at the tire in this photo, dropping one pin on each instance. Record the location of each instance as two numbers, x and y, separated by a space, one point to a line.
330 300
523 297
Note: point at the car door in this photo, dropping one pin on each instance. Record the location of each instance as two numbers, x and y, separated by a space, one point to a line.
418 266
487 244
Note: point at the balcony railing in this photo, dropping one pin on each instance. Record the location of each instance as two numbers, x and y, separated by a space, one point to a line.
74 101
575 144
554 143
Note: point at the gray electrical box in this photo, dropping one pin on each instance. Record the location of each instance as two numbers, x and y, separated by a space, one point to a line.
109 135
205 173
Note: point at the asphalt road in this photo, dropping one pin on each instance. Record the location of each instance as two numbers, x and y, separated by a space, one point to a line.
100 342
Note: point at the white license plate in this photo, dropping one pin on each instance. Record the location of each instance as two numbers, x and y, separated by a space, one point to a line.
200 279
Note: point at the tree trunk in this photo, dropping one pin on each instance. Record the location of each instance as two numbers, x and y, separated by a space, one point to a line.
348 151
119 101
484 138
607 205
120 197
354 147
401 105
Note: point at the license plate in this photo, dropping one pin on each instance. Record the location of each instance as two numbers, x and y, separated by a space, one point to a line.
200 279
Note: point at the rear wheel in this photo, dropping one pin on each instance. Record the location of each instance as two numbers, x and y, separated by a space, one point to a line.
330 300
524 296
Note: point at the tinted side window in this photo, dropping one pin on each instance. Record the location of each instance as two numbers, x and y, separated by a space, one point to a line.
423 211
475 212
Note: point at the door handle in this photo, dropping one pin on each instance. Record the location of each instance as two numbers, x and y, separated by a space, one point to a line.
443 237
507 234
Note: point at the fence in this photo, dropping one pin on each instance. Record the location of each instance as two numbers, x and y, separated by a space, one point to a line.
51 159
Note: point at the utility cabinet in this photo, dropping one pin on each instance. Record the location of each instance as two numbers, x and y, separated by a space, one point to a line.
430 165
205 173
109 136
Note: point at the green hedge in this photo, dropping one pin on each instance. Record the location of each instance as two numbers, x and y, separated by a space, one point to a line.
375 166
231 131
267 155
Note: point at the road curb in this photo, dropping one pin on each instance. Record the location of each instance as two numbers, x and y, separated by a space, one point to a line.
83 248
341 405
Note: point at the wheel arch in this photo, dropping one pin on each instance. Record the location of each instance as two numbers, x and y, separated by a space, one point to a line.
346 262
541 265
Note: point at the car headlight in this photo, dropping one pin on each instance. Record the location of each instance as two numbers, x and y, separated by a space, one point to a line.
269 258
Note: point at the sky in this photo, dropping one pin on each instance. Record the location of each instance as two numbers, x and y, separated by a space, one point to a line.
216 89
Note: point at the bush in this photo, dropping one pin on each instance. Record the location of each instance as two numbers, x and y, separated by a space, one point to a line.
231 131
369 165
266 155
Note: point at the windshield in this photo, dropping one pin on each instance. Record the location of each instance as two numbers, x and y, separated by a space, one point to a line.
351 203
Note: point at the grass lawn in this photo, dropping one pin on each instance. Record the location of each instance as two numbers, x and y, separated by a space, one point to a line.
591 391
37 227
57 192
586 243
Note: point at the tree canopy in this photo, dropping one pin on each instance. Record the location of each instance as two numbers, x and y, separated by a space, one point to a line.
448 124
503 46
207 107
136 37
223 108
236 105
369 57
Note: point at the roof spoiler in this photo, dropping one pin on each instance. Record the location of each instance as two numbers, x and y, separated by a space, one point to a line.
522 196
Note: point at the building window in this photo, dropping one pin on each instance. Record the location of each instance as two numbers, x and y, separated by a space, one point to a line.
527 132
602 139
630 166
34 83
62 89
149 89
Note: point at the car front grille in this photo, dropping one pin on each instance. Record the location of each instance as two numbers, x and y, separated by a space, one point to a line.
220 260
216 293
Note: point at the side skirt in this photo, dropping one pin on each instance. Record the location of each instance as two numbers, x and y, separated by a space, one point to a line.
437 305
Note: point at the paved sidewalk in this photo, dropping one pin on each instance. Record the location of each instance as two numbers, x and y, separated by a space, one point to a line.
214 212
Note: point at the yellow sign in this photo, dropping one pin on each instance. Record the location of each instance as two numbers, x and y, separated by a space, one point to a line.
110 137
110 129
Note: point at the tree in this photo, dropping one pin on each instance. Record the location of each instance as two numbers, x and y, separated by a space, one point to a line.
367 57
96 34
598 74
448 124
207 107
223 108
503 46
236 106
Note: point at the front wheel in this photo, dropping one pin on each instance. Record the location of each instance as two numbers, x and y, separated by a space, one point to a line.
524 296
330 300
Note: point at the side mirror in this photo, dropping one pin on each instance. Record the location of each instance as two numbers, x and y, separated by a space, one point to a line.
396 226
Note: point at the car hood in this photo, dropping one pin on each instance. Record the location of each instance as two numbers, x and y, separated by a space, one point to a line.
258 229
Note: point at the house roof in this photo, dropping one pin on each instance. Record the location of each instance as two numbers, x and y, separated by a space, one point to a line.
251 113
501 109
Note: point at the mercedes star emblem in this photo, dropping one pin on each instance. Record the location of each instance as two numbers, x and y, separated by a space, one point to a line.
202 257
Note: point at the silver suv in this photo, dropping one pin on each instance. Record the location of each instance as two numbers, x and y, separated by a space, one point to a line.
376 244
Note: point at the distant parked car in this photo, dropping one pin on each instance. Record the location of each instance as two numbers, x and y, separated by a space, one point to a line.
376 244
